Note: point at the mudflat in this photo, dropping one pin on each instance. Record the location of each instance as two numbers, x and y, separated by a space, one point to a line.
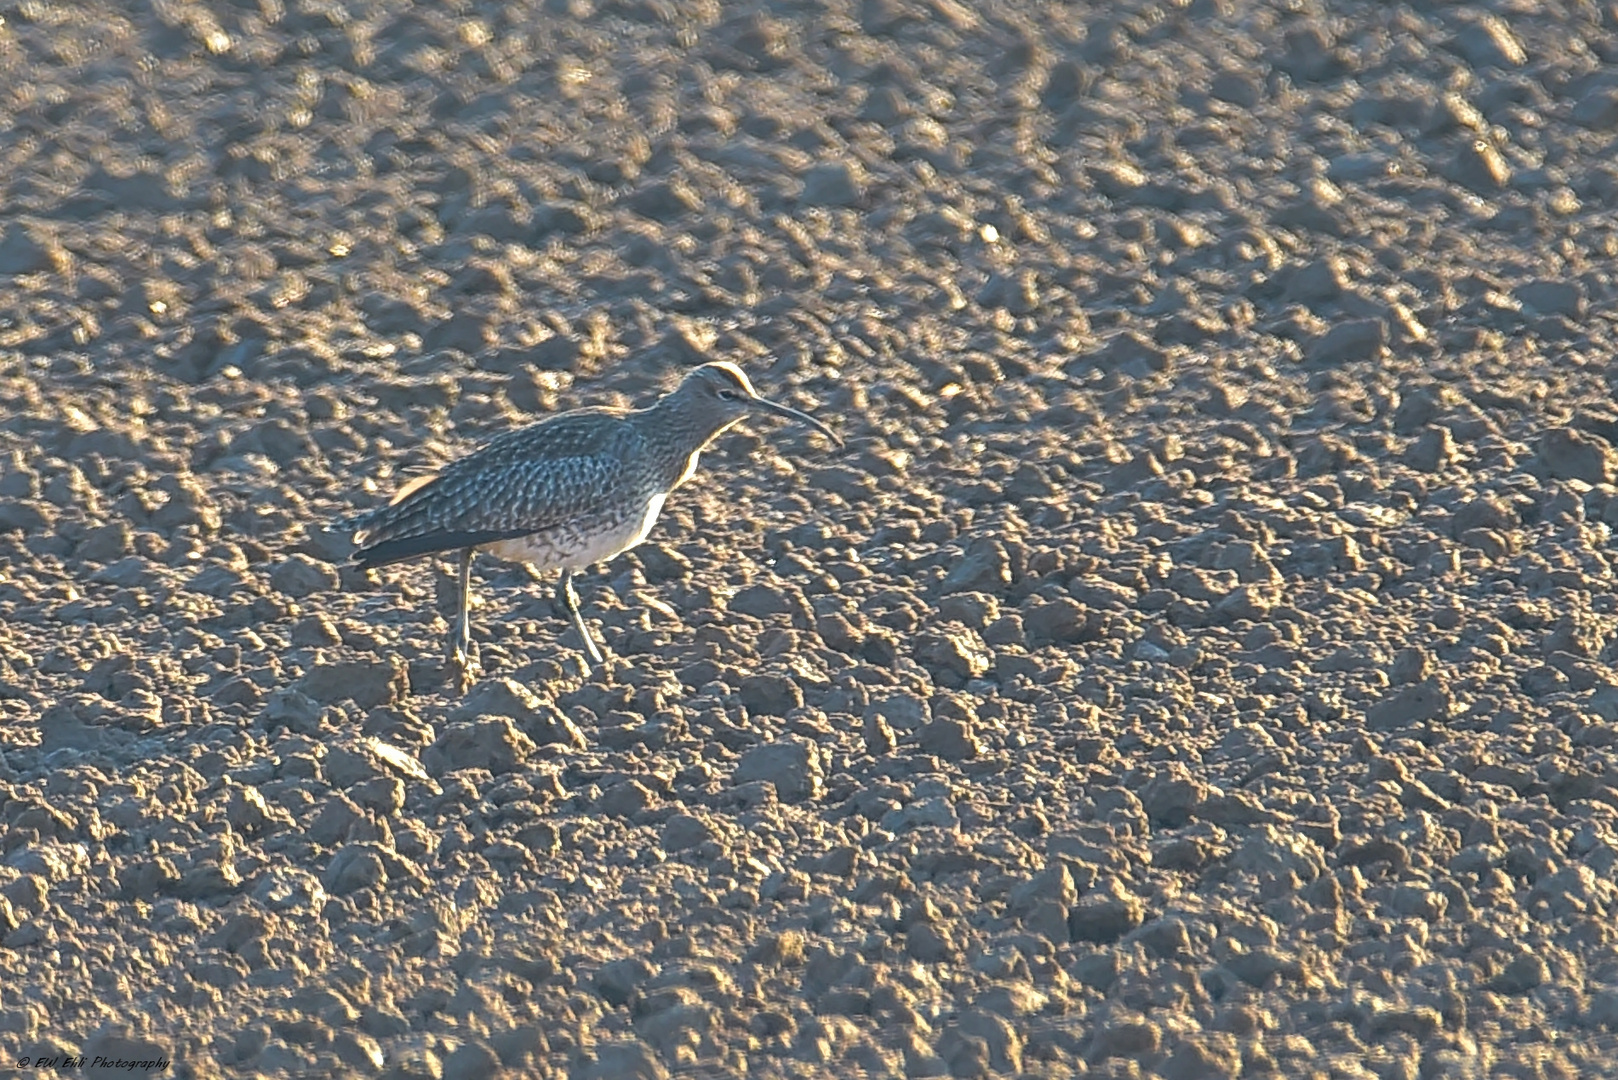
1198 663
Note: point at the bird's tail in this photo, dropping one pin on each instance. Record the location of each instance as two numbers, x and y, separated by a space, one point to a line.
363 521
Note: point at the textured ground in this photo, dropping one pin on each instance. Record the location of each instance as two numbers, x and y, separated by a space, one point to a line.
1198 664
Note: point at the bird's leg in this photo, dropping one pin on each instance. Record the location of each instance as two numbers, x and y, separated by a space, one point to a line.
570 603
461 655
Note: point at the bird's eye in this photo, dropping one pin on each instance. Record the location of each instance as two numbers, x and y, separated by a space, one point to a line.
727 395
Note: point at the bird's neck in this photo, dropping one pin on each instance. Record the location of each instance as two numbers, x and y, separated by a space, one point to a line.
673 440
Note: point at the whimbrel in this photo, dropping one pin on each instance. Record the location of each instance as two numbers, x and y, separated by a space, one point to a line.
572 490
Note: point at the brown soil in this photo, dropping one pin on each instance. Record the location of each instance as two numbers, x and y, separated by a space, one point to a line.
1198 664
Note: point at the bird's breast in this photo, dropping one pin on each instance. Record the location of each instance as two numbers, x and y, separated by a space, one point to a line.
582 543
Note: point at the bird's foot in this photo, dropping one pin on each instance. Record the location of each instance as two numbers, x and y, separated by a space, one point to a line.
463 664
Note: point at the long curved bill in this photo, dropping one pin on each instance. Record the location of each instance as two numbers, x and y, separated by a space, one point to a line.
793 414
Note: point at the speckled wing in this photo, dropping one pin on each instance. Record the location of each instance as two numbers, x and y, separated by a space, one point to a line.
576 467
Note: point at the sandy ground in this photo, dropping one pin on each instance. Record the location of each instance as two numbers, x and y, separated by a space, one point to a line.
1197 665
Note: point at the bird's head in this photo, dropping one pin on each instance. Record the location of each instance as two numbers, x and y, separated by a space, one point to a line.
719 395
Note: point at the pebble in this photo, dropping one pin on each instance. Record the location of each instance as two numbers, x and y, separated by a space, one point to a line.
1104 919
625 1060
1571 454
1349 342
951 739
792 766
300 577
835 183
1487 41
493 743
1416 703
958 653
367 683
538 719
878 735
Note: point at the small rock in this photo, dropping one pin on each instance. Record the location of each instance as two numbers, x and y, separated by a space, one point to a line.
956 651
1208 1056
771 694
1433 450
1526 972
491 743
368 683
1597 109
1125 1035
631 1060
538 719
626 799
951 739
1104 919
134 1055
1171 801
1054 883
1478 165
1418 702
1571 454
685 831
352 868
925 942
1488 42
299 576
836 183
792 765
1350 342
878 734
1279 857
618 981
473 1060
1063 621
984 568
1553 297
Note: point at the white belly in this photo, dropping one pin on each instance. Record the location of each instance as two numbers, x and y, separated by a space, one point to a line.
574 548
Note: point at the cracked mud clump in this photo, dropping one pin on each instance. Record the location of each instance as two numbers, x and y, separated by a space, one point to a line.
1198 665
